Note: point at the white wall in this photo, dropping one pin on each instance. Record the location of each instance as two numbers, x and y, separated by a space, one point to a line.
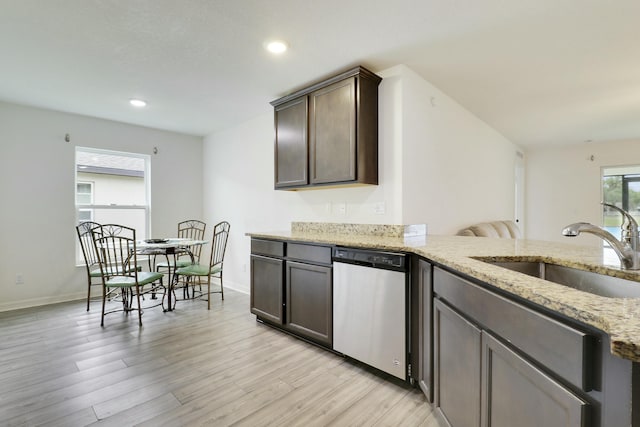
37 219
427 157
457 170
564 186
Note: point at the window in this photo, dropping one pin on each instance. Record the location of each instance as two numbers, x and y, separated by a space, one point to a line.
620 187
113 187
84 196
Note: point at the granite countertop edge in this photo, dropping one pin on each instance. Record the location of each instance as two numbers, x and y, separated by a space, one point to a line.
617 317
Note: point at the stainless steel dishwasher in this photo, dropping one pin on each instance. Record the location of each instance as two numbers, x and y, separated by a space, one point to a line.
370 308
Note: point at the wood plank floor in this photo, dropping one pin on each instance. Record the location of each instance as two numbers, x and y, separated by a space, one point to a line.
58 367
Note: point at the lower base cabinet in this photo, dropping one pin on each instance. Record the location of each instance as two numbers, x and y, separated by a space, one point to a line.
514 392
457 367
309 301
292 288
482 382
267 275
422 325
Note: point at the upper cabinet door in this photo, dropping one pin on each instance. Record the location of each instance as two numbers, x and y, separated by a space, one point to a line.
332 133
291 149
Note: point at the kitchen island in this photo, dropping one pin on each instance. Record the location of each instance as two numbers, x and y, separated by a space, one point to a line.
606 330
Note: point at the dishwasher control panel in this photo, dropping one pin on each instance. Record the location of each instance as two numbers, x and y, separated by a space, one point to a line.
378 259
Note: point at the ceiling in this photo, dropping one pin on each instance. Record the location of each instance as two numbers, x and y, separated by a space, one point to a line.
538 71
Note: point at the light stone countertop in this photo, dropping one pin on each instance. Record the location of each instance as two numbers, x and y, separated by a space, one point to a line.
617 317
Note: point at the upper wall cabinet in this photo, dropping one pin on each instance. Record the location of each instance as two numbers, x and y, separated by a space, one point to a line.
291 148
327 134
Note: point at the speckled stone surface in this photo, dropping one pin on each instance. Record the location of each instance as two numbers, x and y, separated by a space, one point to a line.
618 317
381 230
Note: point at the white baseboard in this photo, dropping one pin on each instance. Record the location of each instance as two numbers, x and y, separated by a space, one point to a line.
238 287
35 302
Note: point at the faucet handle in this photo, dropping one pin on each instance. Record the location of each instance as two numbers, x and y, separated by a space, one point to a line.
626 233
626 216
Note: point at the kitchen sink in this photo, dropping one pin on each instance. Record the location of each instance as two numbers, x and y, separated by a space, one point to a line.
586 281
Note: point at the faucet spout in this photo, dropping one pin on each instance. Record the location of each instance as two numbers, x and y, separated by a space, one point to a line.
628 257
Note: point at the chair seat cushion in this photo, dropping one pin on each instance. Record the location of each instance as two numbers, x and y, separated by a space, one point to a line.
144 278
197 270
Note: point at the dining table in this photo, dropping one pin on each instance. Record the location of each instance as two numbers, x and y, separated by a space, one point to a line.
170 248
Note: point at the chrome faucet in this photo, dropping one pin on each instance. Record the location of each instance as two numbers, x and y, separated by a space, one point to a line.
627 249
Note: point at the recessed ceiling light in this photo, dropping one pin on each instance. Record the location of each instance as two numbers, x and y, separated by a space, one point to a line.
137 103
276 46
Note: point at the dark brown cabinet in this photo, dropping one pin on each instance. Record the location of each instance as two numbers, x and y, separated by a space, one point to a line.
505 377
332 133
422 325
309 301
327 134
514 389
267 275
457 367
291 148
292 288
482 382
266 288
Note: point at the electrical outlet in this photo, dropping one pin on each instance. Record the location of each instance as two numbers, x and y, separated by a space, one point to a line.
244 268
379 208
19 279
341 208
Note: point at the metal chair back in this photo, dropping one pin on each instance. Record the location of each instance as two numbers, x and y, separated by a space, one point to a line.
86 244
88 252
116 249
219 244
192 229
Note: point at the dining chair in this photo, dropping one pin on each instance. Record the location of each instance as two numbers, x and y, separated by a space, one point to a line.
189 229
115 246
90 256
214 268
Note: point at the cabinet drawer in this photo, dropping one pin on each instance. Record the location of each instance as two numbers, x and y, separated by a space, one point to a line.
309 253
267 247
559 347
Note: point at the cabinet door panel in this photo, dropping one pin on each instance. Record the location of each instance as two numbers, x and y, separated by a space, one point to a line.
457 367
291 148
517 393
426 329
266 288
309 301
332 133
422 325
